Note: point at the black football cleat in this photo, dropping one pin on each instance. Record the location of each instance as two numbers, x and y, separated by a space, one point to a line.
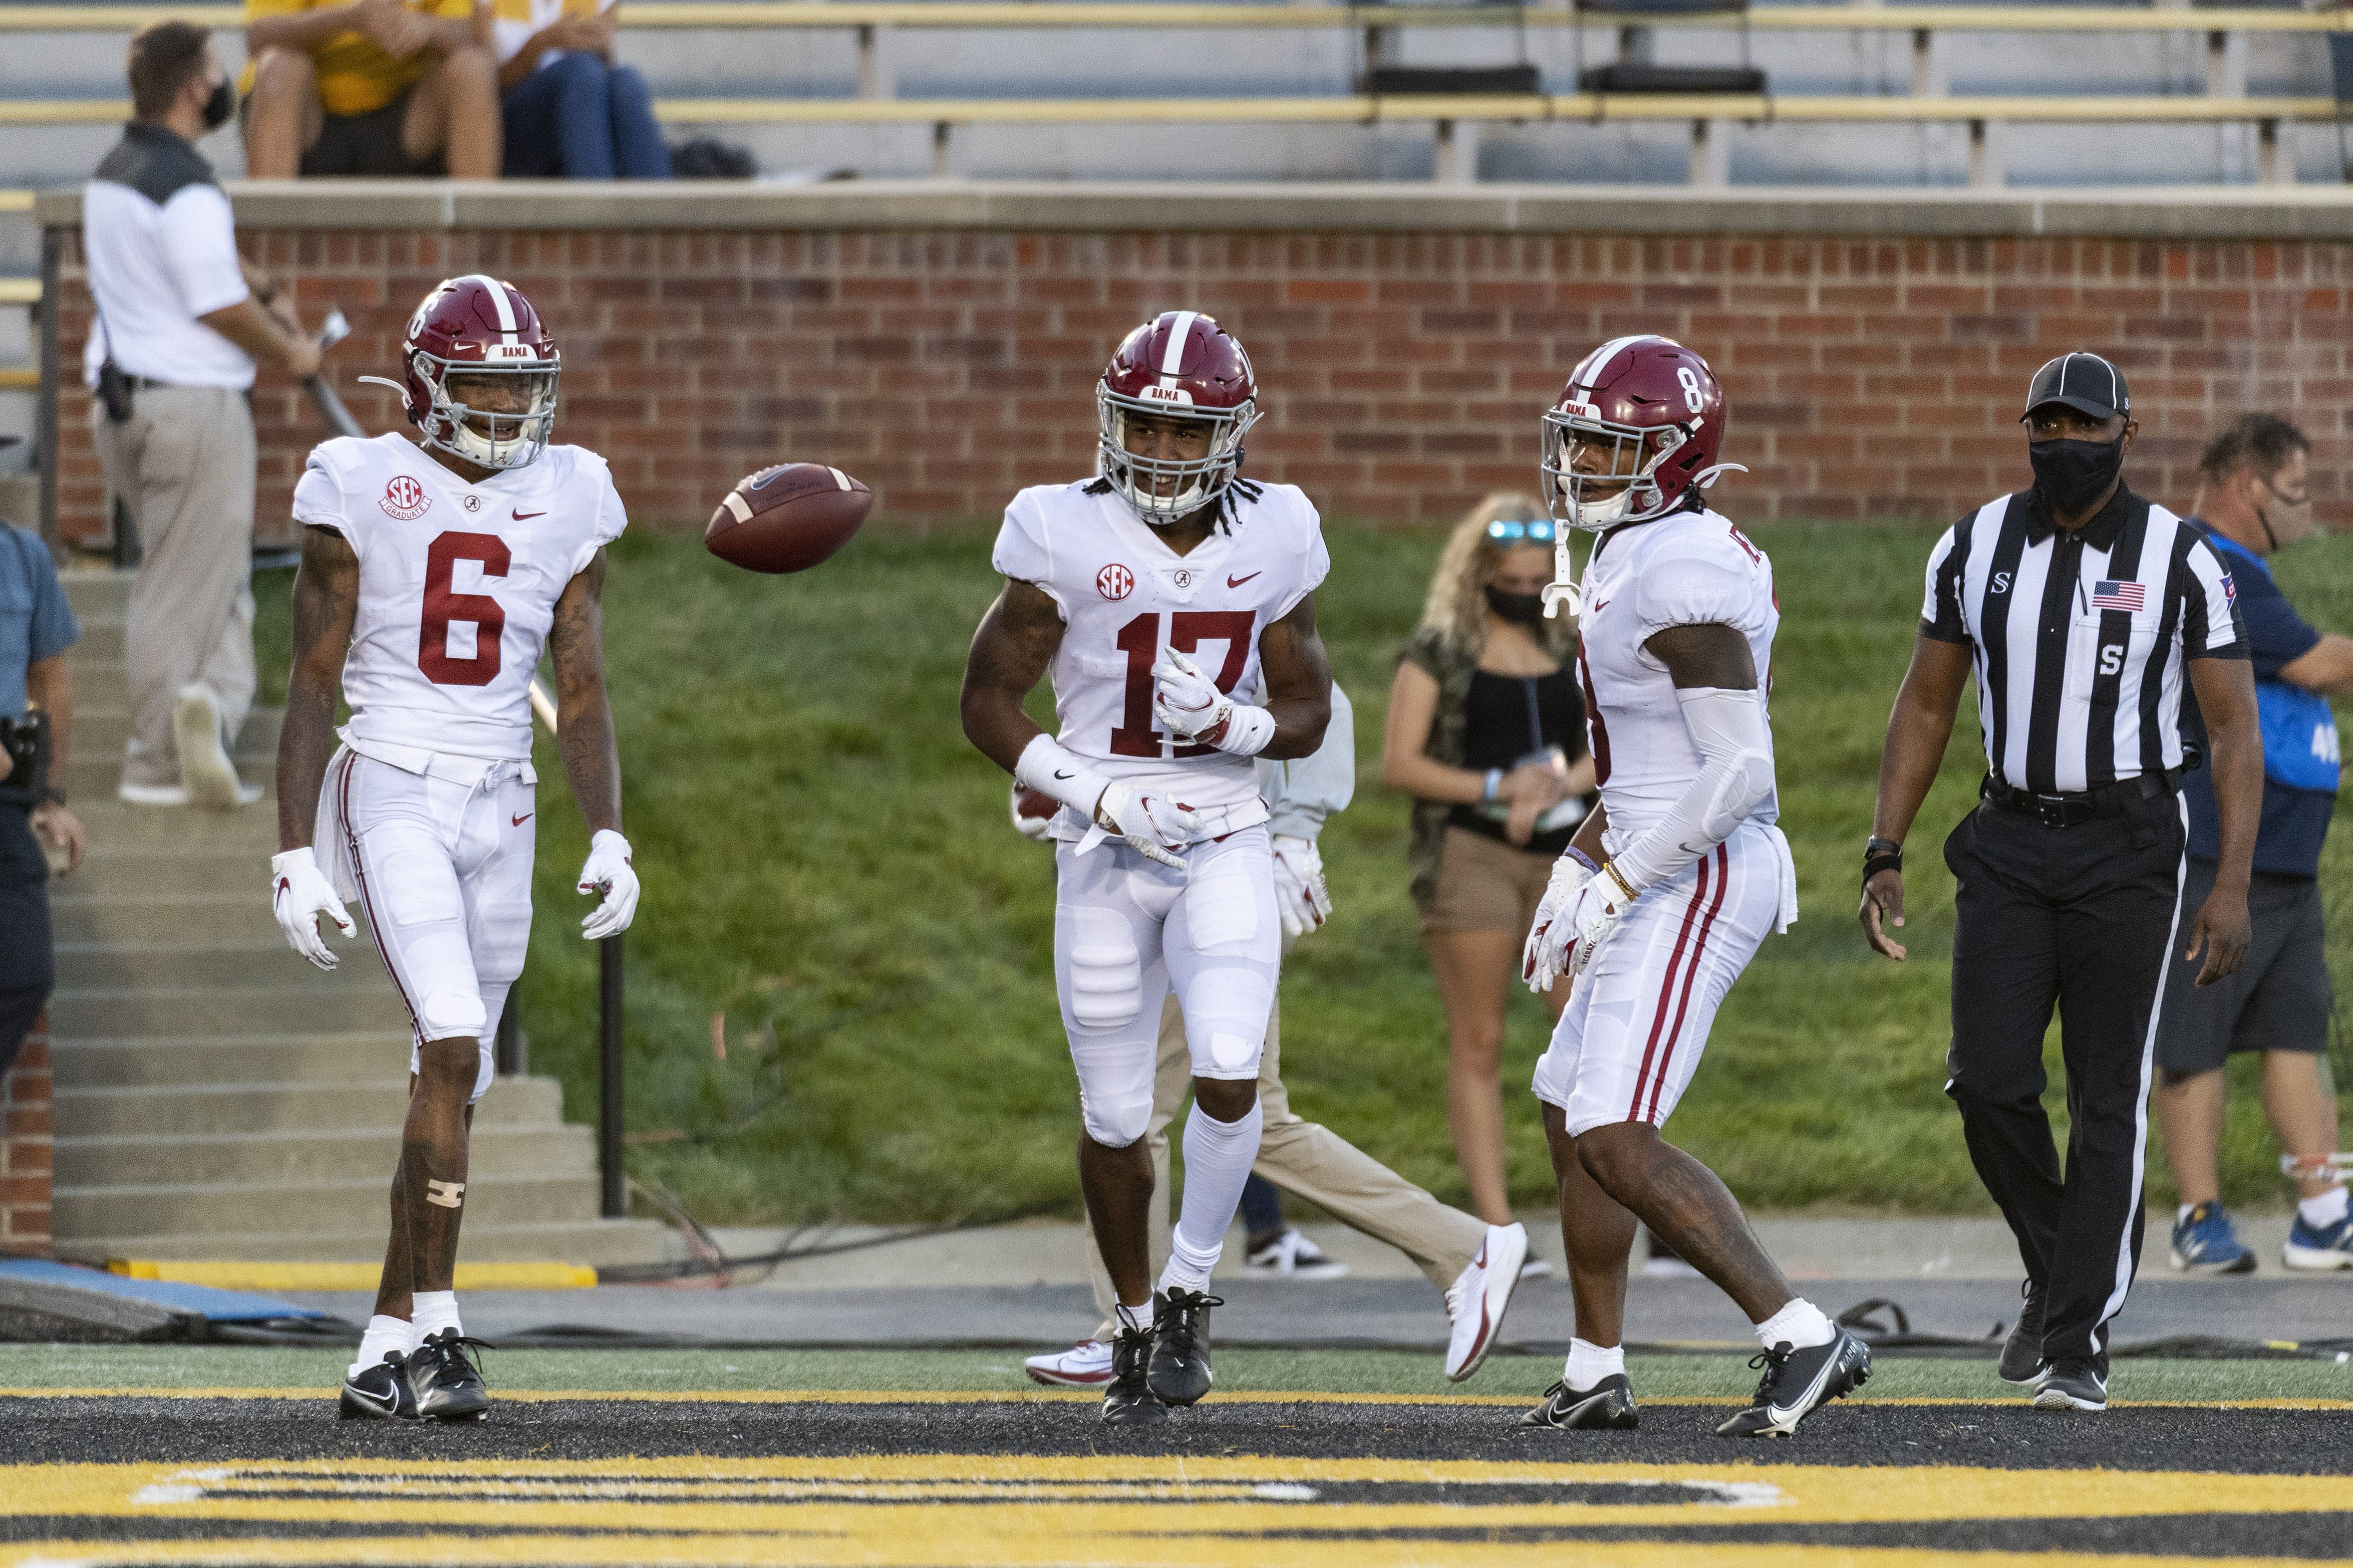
378 1392
1129 1401
1797 1382
1180 1345
2021 1354
446 1380
1607 1407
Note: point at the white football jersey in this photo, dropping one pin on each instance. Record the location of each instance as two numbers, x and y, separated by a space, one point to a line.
1124 596
1688 569
458 585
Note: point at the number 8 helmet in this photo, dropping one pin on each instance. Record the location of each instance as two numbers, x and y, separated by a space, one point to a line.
470 326
1637 430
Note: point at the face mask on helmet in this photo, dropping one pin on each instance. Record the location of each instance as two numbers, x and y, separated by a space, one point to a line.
1163 488
507 422
1597 475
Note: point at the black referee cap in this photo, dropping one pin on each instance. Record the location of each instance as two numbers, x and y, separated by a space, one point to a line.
2084 382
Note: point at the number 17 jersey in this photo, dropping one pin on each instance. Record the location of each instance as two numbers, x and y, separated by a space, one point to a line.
1124 596
458 585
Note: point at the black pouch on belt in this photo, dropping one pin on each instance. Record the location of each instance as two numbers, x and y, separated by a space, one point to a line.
27 741
113 392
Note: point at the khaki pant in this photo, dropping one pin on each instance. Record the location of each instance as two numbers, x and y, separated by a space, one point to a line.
1303 1158
183 463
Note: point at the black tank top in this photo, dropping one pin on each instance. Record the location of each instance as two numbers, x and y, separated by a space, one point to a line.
1508 720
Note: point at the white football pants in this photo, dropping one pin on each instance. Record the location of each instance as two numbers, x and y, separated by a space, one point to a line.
442 871
1127 929
1630 1037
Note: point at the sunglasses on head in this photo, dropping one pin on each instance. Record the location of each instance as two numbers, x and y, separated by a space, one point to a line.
1538 529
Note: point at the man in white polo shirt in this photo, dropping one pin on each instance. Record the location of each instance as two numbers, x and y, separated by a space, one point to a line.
180 319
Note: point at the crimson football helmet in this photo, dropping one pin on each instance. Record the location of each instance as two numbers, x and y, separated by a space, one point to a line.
478 325
1180 364
1637 429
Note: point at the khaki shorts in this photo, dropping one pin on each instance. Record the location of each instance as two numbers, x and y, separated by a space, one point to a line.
1484 884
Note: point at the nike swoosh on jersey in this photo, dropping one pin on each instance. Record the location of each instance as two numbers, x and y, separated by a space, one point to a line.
1238 581
527 516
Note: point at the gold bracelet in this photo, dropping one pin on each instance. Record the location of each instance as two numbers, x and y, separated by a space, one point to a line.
1609 869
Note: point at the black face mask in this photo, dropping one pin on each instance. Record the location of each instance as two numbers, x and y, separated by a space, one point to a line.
2070 475
219 105
1520 609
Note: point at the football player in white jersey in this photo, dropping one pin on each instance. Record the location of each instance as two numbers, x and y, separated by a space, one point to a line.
1154 593
1671 886
433 571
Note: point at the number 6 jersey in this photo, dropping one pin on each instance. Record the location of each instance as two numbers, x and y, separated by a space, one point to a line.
458 585
1124 595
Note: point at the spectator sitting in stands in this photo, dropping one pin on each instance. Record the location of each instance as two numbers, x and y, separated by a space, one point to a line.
370 88
570 111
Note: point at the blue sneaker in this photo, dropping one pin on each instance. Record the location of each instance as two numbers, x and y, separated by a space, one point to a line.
2204 1243
2319 1247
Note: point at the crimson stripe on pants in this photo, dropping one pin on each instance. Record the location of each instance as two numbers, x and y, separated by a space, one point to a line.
1666 990
1690 970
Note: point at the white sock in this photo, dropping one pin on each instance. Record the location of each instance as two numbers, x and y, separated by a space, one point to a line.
1218 1160
2323 1211
1589 1364
1798 1325
1132 1317
384 1336
436 1310
2181 1215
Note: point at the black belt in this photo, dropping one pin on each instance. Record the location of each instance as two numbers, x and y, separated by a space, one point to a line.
2072 810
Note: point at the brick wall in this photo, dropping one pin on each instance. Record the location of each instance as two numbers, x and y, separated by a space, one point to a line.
1402 372
25 1149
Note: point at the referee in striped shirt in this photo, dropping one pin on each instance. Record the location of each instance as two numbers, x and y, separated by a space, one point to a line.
2081 609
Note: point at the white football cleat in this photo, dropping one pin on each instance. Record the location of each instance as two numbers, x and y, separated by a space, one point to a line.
1086 1364
1480 1296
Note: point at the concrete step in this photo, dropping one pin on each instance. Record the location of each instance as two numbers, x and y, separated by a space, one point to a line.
100 641
495 1154
332 1102
99 592
167 1062
196 965
121 870
240 916
114 826
598 1242
98 683
94 773
304 1204
282 1008
101 727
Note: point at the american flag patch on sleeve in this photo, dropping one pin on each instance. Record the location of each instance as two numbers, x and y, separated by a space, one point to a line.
2129 596
2230 590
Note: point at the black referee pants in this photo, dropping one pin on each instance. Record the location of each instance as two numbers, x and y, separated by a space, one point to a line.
2079 917
27 965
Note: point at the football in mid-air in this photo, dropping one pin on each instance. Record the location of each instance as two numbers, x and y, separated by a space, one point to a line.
788 517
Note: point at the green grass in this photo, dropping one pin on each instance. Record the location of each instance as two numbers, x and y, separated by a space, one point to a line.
827 864
1238 1371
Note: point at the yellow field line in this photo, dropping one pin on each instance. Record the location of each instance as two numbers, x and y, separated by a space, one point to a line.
276 1276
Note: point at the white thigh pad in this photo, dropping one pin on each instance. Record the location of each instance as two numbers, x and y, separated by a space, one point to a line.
1106 974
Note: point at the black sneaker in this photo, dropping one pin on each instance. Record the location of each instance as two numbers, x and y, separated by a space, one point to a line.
1129 1401
2072 1385
378 1392
446 1378
2021 1354
1797 1382
1608 1406
1180 1345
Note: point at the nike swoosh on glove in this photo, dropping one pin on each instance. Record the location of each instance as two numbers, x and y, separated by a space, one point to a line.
607 871
1154 825
1300 894
1186 703
300 894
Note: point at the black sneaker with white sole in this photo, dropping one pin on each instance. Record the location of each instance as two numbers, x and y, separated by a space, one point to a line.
1799 1382
2021 1354
1129 1400
378 1392
446 1378
1607 1407
1180 1345
2072 1385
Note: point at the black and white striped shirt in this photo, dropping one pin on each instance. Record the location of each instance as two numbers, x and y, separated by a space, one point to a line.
2079 638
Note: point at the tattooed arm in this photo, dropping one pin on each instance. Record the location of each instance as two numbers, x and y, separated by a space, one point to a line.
584 717
1016 641
1298 682
326 601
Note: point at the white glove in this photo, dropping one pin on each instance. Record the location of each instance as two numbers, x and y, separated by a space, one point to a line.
1299 891
1045 804
1154 825
1580 904
607 871
1187 703
300 894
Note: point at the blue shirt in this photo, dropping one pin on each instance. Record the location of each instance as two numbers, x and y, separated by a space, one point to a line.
2296 819
35 622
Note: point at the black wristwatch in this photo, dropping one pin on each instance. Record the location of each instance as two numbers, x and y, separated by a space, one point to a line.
55 795
1881 855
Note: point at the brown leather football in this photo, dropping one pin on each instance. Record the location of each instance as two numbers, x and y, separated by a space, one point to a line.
788 517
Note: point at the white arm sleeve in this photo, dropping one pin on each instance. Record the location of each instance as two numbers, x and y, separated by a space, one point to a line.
1727 728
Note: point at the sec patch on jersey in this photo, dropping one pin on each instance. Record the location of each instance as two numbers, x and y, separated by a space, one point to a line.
788 517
